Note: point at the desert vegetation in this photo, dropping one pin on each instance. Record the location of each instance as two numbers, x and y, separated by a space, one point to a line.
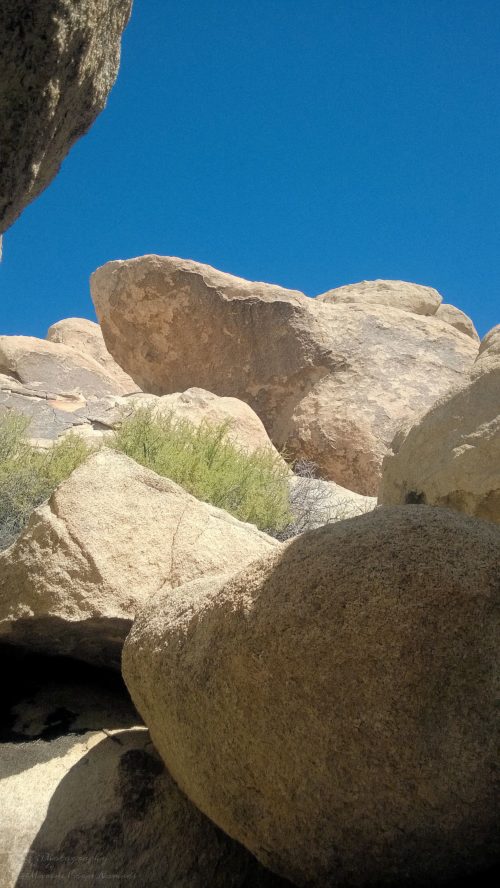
251 486
28 475
202 459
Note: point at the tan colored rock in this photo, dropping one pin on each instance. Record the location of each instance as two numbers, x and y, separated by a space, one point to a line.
198 406
53 369
491 342
458 319
331 383
85 798
58 62
489 352
332 706
451 457
58 387
395 294
86 338
110 537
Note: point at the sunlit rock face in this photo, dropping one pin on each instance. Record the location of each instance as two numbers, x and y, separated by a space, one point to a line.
332 382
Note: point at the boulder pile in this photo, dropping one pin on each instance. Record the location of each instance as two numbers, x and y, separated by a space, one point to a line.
314 708
332 380
331 706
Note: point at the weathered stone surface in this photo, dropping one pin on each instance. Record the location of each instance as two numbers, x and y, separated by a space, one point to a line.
58 62
331 383
458 319
53 369
58 387
332 705
395 294
197 406
86 338
110 537
451 457
85 798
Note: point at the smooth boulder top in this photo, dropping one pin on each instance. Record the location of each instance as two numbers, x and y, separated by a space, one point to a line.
332 706
58 62
332 383
110 537
395 294
451 456
85 337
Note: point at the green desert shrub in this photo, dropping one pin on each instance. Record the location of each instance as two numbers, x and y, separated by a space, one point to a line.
202 459
29 475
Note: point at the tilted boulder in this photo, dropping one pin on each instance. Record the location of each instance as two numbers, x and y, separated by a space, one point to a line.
86 338
85 798
332 706
110 537
56 385
58 62
331 383
451 456
395 294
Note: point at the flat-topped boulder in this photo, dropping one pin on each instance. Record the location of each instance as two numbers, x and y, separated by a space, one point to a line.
332 383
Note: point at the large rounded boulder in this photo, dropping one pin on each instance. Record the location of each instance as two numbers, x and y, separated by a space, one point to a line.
332 705
332 383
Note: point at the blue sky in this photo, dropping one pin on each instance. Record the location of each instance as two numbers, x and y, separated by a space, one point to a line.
309 143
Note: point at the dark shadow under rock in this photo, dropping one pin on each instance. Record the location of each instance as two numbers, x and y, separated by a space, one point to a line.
85 798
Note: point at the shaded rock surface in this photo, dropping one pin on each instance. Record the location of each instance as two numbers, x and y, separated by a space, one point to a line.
86 799
332 706
331 382
58 62
110 537
451 456
57 386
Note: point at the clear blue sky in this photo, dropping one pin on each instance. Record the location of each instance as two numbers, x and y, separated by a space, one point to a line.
310 143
